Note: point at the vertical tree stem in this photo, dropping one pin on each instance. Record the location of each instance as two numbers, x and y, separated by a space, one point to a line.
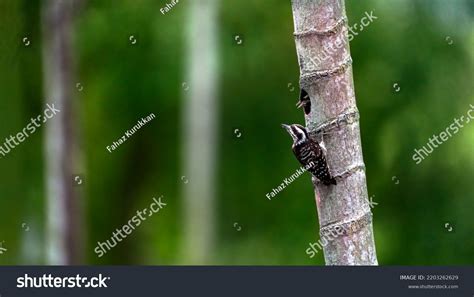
321 37
200 133
64 211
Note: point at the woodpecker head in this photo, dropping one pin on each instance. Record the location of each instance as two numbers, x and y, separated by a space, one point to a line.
297 132
304 102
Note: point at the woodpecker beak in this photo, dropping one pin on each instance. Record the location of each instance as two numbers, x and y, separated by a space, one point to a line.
299 104
290 130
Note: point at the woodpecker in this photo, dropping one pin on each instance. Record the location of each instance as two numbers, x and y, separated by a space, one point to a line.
309 153
304 102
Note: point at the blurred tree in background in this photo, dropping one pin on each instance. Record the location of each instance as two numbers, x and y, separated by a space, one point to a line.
422 48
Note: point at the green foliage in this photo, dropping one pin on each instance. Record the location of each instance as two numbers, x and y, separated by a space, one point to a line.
123 82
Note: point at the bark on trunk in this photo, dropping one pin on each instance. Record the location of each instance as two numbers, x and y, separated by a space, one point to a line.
64 211
321 36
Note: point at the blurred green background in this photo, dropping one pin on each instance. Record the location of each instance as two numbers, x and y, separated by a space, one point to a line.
426 47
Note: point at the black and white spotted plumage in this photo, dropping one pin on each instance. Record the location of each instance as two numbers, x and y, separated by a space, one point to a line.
309 153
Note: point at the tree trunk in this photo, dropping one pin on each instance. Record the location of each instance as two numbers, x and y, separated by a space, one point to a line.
321 36
199 133
64 209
